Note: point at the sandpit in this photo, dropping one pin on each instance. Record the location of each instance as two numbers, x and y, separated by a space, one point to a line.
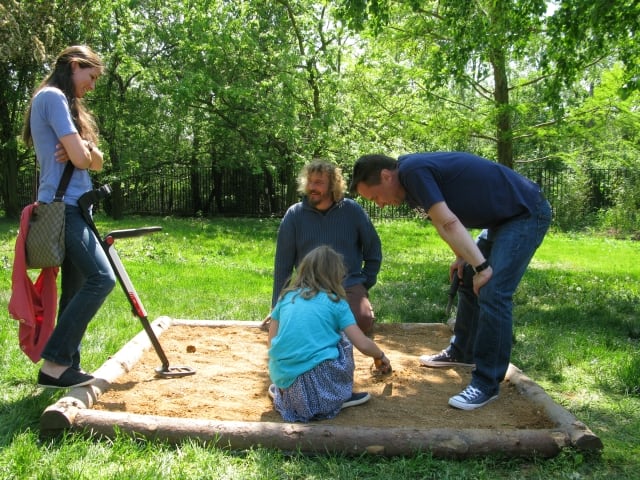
226 402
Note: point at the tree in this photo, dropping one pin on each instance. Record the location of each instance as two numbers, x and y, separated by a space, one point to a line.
30 36
583 31
134 122
485 46
252 89
242 85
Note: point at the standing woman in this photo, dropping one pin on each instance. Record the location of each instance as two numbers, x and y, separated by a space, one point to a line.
62 130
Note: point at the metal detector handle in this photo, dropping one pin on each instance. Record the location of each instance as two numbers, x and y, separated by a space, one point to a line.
86 202
125 282
455 284
92 197
131 232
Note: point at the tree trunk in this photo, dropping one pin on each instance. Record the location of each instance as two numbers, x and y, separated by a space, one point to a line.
197 206
8 151
504 134
117 199
503 119
9 176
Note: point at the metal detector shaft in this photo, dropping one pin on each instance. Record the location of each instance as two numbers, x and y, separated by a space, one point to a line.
132 295
136 304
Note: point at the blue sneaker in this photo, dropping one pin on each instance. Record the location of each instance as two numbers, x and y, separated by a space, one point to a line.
445 358
471 398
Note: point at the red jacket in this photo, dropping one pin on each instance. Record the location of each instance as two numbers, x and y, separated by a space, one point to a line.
34 305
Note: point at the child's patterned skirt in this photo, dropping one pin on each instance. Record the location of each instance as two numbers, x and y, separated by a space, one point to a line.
320 392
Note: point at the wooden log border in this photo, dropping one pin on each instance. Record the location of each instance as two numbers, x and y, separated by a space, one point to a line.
74 412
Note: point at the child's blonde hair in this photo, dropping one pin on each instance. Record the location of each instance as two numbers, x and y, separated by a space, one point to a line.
321 270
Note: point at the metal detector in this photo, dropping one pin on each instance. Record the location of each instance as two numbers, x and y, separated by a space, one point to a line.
453 290
86 202
451 295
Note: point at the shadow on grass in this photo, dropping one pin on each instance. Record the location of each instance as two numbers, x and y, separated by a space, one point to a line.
561 319
22 414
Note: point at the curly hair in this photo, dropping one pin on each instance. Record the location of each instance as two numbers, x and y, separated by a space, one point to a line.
61 77
337 184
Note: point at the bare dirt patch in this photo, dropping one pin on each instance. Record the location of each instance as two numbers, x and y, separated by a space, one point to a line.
231 381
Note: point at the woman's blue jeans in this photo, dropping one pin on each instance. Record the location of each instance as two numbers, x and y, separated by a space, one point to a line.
484 323
86 280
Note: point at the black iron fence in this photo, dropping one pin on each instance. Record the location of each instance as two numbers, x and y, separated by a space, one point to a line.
182 191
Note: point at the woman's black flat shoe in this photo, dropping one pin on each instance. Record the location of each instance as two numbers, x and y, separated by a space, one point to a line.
69 379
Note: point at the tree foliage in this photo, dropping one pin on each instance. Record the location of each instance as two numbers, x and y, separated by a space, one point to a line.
582 32
257 87
30 33
492 49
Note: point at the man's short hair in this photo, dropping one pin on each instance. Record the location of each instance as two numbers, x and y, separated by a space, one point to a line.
367 170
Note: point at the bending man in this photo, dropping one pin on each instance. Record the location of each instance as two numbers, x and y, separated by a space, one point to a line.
457 191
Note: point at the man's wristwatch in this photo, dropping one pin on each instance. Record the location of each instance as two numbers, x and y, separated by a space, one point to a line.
483 266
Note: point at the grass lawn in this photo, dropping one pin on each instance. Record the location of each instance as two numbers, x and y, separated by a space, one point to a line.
576 327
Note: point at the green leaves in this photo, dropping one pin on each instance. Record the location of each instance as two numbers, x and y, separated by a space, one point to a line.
263 86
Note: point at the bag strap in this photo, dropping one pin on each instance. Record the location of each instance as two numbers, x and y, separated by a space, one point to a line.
64 181
36 179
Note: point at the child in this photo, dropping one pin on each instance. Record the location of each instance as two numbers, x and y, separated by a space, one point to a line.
311 338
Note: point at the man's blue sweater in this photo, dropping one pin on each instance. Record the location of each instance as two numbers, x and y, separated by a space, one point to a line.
345 227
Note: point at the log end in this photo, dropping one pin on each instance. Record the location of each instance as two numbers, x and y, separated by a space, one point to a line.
55 420
582 438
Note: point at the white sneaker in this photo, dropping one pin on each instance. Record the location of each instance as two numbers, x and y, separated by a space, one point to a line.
272 391
357 399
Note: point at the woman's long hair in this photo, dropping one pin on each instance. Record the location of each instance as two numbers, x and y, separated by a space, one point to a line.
61 77
321 270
